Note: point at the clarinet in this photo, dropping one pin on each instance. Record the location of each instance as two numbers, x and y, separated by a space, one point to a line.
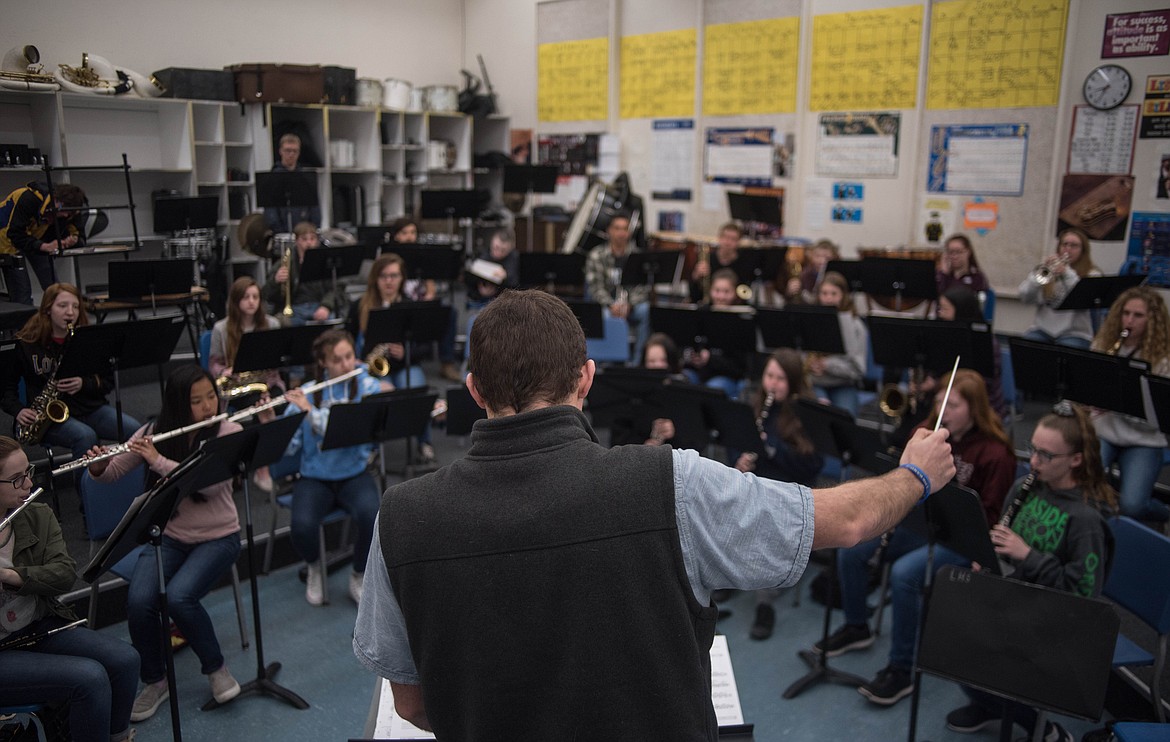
762 421
1009 511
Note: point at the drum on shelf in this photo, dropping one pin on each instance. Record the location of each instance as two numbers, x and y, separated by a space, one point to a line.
196 244
368 92
396 94
441 98
590 222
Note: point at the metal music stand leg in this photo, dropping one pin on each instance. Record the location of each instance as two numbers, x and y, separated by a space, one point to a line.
263 682
927 583
164 619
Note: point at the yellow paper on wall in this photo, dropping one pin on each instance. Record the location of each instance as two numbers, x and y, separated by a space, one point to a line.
750 67
866 60
572 80
995 53
658 75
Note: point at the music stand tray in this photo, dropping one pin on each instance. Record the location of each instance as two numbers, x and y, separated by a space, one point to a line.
406 322
648 268
1096 379
382 417
689 410
1099 292
436 263
735 424
589 314
322 263
530 178
286 188
453 204
729 331
953 517
184 213
134 279
546 268
462 411
899 342
908 279
1158 389
619 391
852 270
286 346
801 327
255 446
146 342
760 209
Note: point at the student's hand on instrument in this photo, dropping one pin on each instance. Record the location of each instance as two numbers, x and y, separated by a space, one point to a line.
746 462
931 453
793 287
97 468
619 309
70 385
268 415
144 447
281 275
26 416
397 351
702 270
1008 543
321 313
297 397
662 430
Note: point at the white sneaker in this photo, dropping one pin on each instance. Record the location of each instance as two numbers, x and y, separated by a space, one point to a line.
262 479
152 696
223 686
356 581
315 585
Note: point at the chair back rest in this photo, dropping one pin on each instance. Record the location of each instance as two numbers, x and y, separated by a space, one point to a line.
106 502
1138 579
1007 376
205 349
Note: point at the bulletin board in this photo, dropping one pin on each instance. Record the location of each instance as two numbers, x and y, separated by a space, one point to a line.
866 60
573 52
995 53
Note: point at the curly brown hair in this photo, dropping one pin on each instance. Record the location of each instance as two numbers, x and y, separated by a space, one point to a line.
1155 342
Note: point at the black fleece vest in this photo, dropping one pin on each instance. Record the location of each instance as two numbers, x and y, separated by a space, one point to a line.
544 591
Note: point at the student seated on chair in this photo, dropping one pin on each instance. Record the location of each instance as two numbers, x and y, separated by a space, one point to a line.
835 376
985 463
645 424
603 276
334 478
715 367
1058 538
199 545
93 672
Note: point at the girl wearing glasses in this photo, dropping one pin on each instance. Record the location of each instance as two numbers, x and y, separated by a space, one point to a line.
1057 538
94 673
1135 444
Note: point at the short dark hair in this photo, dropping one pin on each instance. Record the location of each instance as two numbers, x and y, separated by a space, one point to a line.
526 347
69 195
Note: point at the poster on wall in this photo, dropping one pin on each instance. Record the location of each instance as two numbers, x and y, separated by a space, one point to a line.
1102 141
987 159
1149 246
574 154
1098 204
1142 34
674 159
1162 183
858 145
937 219
740 155
1156 108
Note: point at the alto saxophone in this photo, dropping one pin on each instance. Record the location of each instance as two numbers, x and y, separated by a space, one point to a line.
48 406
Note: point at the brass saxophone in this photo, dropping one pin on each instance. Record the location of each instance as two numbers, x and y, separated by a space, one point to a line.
48 406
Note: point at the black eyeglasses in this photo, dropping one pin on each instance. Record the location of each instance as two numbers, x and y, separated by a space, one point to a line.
19 480
1045 456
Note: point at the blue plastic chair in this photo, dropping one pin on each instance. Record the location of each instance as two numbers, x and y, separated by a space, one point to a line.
29 711
1140 731
205 349
1143 591
987 301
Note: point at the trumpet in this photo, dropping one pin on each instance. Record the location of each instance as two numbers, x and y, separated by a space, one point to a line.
1045 273
28 501
1120 339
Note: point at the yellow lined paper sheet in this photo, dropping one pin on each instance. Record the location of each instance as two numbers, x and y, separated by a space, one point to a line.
658 75
866 60
995 53
750 67
573 80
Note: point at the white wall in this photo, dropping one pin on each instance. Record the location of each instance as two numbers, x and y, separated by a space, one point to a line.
420 42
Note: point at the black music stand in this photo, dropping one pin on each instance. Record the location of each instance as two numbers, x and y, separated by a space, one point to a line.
801 327
689 407
453 204
133 279
13 316
462 411
932 345
649 268
732 332
407 323
122 345
182 214
436 263
242 453
831 430
1047 648
850 269
753 210
144 522
322 263
286 189
899 278
1099 292
402 413
278 348
589 314
621 392
766 262
1158 388
529 180
551 269
1055 372
736 426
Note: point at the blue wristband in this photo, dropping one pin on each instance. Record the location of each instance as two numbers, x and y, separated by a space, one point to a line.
921 478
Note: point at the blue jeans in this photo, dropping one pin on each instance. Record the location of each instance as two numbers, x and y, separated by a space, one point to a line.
906 579
412 377
845 397
1139 470
81 433
731 387
97 674
1069 342
18 282
191 571
313 499
853 570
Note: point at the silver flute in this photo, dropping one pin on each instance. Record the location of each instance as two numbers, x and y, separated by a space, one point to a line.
32 496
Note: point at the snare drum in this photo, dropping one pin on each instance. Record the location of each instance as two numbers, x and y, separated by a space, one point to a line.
396 94
441 98
368 92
